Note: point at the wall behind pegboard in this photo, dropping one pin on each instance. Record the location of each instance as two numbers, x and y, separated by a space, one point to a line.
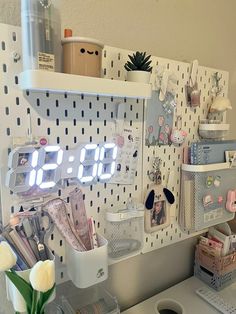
68 120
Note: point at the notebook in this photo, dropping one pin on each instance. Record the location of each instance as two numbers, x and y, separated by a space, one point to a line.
202 153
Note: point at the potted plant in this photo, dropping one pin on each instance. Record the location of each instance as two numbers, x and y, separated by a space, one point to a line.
138 67
29 290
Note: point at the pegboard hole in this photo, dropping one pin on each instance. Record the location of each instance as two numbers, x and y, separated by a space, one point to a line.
14 36
4 68
5 89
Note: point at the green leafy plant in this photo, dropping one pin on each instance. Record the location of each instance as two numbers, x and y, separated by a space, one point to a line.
138 62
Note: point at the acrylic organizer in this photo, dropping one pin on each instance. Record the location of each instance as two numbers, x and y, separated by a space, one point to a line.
94 300
14 295
204 195
41 36
124 231
89 267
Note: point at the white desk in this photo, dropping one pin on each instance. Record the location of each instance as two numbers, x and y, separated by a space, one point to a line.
184 293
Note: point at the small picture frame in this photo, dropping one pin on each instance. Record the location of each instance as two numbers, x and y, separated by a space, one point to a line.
158 216
230 156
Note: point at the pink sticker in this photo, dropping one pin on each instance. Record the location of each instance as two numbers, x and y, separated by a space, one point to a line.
220 199
43 141
120 141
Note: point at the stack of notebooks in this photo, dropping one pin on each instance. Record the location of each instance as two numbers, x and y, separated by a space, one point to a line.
203 153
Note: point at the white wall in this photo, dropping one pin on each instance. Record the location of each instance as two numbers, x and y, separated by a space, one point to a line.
176 29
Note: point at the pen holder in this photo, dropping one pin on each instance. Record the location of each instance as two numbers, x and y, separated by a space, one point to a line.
14 295
89 267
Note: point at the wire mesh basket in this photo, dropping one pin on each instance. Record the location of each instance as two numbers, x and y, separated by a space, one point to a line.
125 232
204 191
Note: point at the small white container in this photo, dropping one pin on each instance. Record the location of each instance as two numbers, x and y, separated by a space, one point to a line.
82 56
90 267
139 76
213 131
124 231
14 295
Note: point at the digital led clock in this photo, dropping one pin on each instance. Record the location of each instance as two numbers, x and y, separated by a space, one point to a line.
44 167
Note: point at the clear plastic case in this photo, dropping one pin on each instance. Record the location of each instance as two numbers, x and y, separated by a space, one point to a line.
93 300
41 36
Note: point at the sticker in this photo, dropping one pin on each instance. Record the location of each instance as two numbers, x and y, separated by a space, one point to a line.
213 215
43 141
46 61
209 181
217 181
220 199
208 200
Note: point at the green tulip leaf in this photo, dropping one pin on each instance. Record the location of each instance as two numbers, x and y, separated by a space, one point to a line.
22 286
44 297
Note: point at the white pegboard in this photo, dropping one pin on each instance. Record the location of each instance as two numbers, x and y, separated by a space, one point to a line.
72 119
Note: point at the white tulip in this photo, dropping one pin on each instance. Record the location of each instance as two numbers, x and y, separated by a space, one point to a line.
42 276
7 256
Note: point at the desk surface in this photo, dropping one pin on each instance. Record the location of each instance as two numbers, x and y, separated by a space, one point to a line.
184 293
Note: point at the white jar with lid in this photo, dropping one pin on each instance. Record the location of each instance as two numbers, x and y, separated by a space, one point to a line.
82 56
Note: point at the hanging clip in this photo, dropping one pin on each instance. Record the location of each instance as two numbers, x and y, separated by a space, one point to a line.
119 122
155 174
216 88
164 82
192 92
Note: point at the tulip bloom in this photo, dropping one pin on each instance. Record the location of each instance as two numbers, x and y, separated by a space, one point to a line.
7 256
42 276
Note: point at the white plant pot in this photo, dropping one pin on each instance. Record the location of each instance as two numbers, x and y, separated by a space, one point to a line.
14 295
138 76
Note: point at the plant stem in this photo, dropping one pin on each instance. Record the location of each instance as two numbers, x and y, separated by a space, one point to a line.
34 302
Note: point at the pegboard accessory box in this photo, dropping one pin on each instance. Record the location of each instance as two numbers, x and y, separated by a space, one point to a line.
90 267
125 232
194 215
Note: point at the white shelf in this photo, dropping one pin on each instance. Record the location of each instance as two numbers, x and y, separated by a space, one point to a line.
38 80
